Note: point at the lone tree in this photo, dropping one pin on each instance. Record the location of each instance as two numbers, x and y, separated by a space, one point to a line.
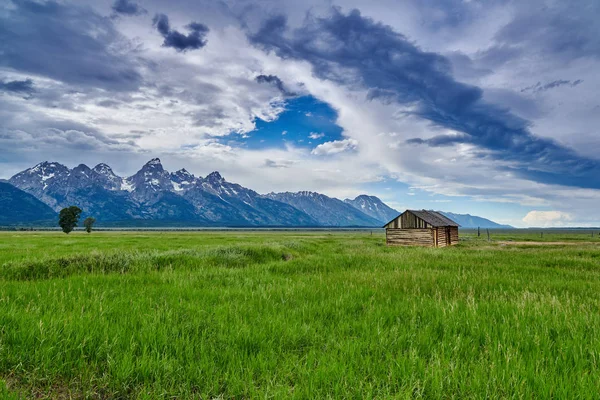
68 218
89 223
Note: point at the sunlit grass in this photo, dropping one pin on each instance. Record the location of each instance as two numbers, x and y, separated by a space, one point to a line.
295 315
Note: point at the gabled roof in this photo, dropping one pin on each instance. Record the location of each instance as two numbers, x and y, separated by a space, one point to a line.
433 218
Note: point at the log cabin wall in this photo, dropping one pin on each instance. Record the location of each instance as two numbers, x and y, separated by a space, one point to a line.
453 235
410 237
441 237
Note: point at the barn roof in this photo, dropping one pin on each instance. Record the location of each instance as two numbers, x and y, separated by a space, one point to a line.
433 218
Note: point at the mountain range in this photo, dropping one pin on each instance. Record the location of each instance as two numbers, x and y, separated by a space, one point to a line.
155 196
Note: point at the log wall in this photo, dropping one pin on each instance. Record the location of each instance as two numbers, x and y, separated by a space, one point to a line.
446 236
441 236
410 237
454 235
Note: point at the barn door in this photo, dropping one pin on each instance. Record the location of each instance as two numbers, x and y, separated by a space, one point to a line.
448 239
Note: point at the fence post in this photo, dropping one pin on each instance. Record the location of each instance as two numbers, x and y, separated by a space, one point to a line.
478 232
488 234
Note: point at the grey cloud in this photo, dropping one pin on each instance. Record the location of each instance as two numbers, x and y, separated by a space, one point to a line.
275 81
127 7
278 164
539 87
564 31
24 87
196 39
67 43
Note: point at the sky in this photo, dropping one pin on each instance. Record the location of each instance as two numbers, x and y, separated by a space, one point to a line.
483 107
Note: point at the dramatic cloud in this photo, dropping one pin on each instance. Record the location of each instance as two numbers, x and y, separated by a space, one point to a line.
20 87
347 48
196 39
335 147
275 81
127 7
67 43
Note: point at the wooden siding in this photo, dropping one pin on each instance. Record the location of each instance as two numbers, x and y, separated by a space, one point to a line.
410 237
454 235
441 237
446 236
407 220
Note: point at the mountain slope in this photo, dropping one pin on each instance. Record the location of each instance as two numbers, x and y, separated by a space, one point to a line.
472 221
254 208
19 207
325 210
373 207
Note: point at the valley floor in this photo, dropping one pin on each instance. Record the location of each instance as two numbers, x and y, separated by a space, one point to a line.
155 315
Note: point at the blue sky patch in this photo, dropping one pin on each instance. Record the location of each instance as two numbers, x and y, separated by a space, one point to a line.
306 122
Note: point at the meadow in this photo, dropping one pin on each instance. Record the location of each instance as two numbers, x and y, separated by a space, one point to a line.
306 315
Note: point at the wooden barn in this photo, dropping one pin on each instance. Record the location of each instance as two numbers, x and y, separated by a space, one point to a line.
421 228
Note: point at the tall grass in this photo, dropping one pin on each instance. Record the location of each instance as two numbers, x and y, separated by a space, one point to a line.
287 315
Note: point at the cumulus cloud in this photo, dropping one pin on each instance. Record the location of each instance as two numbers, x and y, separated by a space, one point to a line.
547 219
128 7
194 40
335 147
316 135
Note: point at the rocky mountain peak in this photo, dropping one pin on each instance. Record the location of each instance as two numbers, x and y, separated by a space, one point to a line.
82 169
40 176
373 207
47 167
154 165
103 169
215 177
182 179
182 175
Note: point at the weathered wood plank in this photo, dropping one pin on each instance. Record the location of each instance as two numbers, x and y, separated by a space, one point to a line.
410 237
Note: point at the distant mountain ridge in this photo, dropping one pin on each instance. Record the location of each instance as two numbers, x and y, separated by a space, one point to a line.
155 196
327 210
472 221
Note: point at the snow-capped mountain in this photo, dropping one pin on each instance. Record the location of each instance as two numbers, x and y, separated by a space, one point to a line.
182 180
247 203
154 194
106 177
373 207
149 181
327 210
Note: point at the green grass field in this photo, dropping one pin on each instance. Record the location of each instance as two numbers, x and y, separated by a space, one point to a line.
154 315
